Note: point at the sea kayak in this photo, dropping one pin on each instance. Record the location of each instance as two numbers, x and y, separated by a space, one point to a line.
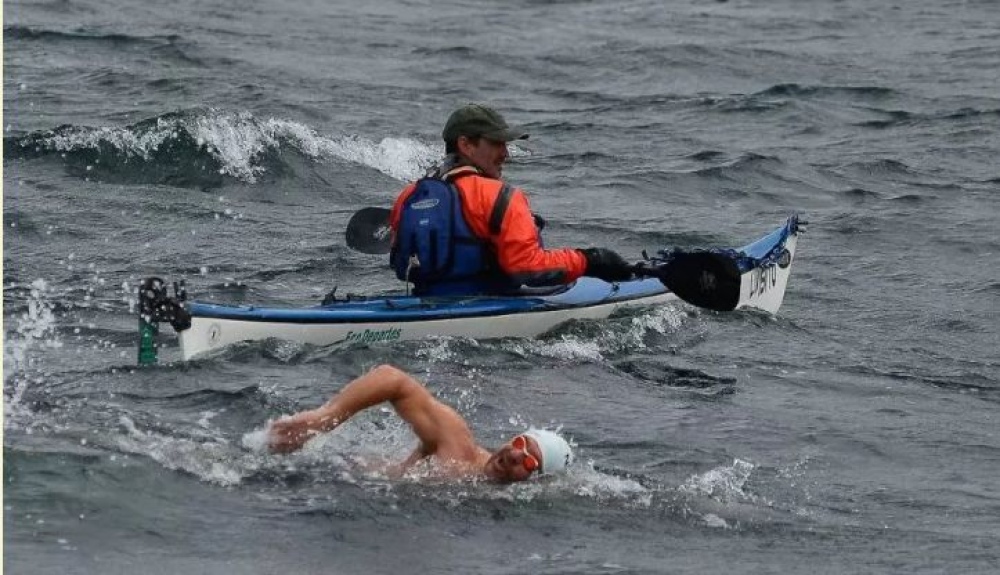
758 277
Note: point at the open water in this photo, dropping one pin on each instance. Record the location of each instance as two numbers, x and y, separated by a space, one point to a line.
227 142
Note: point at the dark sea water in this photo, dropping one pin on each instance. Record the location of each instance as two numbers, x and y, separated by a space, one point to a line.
228 142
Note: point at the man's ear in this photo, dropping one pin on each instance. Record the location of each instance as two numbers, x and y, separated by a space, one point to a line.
464 145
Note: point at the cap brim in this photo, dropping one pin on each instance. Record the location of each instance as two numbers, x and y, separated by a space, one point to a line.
509 135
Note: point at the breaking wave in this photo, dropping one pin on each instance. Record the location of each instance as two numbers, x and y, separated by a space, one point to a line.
204 148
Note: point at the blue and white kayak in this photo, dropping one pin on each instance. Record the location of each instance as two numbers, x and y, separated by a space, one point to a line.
763 269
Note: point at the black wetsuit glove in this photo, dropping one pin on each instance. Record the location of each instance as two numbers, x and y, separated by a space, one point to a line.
539 221
607 265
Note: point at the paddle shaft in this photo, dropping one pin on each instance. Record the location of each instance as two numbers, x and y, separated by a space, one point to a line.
702 278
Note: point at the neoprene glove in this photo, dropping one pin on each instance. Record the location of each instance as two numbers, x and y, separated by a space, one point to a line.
607 265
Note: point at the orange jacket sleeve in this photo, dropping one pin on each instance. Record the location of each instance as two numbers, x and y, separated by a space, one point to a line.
521 255
517 246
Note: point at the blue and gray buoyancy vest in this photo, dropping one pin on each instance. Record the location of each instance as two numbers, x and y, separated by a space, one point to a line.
435 248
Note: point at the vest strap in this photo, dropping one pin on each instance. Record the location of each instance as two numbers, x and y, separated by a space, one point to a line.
500 209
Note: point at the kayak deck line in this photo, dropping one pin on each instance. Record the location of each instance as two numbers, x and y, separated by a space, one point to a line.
410 308
753 276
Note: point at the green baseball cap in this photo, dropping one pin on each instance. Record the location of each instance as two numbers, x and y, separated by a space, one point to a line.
477 121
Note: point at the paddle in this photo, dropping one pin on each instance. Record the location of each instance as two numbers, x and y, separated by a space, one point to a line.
708 279
368 231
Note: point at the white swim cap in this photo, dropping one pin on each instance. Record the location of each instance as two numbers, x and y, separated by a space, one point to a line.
557 455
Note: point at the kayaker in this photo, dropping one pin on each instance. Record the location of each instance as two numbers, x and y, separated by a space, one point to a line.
462 230
446 444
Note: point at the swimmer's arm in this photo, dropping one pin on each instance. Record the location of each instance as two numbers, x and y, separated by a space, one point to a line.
398 469
410 399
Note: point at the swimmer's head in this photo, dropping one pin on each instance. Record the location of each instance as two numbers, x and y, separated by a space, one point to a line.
536 451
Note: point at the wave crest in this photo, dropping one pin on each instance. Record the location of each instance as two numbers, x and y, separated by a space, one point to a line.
204 148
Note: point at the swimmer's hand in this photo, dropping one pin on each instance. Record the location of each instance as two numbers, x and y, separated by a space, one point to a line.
290 433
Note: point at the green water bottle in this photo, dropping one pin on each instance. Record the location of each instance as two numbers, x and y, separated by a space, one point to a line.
147 341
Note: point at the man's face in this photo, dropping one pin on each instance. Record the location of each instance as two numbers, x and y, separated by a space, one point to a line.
511 462
487 155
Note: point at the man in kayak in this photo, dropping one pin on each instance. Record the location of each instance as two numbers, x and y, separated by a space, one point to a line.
446 442
462 230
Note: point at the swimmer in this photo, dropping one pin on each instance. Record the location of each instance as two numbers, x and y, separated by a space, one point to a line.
446 442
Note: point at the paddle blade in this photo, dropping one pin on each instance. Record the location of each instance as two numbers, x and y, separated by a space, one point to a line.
369 232
706 279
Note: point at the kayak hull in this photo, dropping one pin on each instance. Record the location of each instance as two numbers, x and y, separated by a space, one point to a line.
209 333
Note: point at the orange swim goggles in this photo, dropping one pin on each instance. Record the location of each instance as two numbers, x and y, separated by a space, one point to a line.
530 462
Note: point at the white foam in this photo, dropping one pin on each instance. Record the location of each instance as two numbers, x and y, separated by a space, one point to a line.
661 319
722 483
566 347
591 483
238 140
713 520
256 440
614 337
438 349
401 158
140 143
213 461
35 329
